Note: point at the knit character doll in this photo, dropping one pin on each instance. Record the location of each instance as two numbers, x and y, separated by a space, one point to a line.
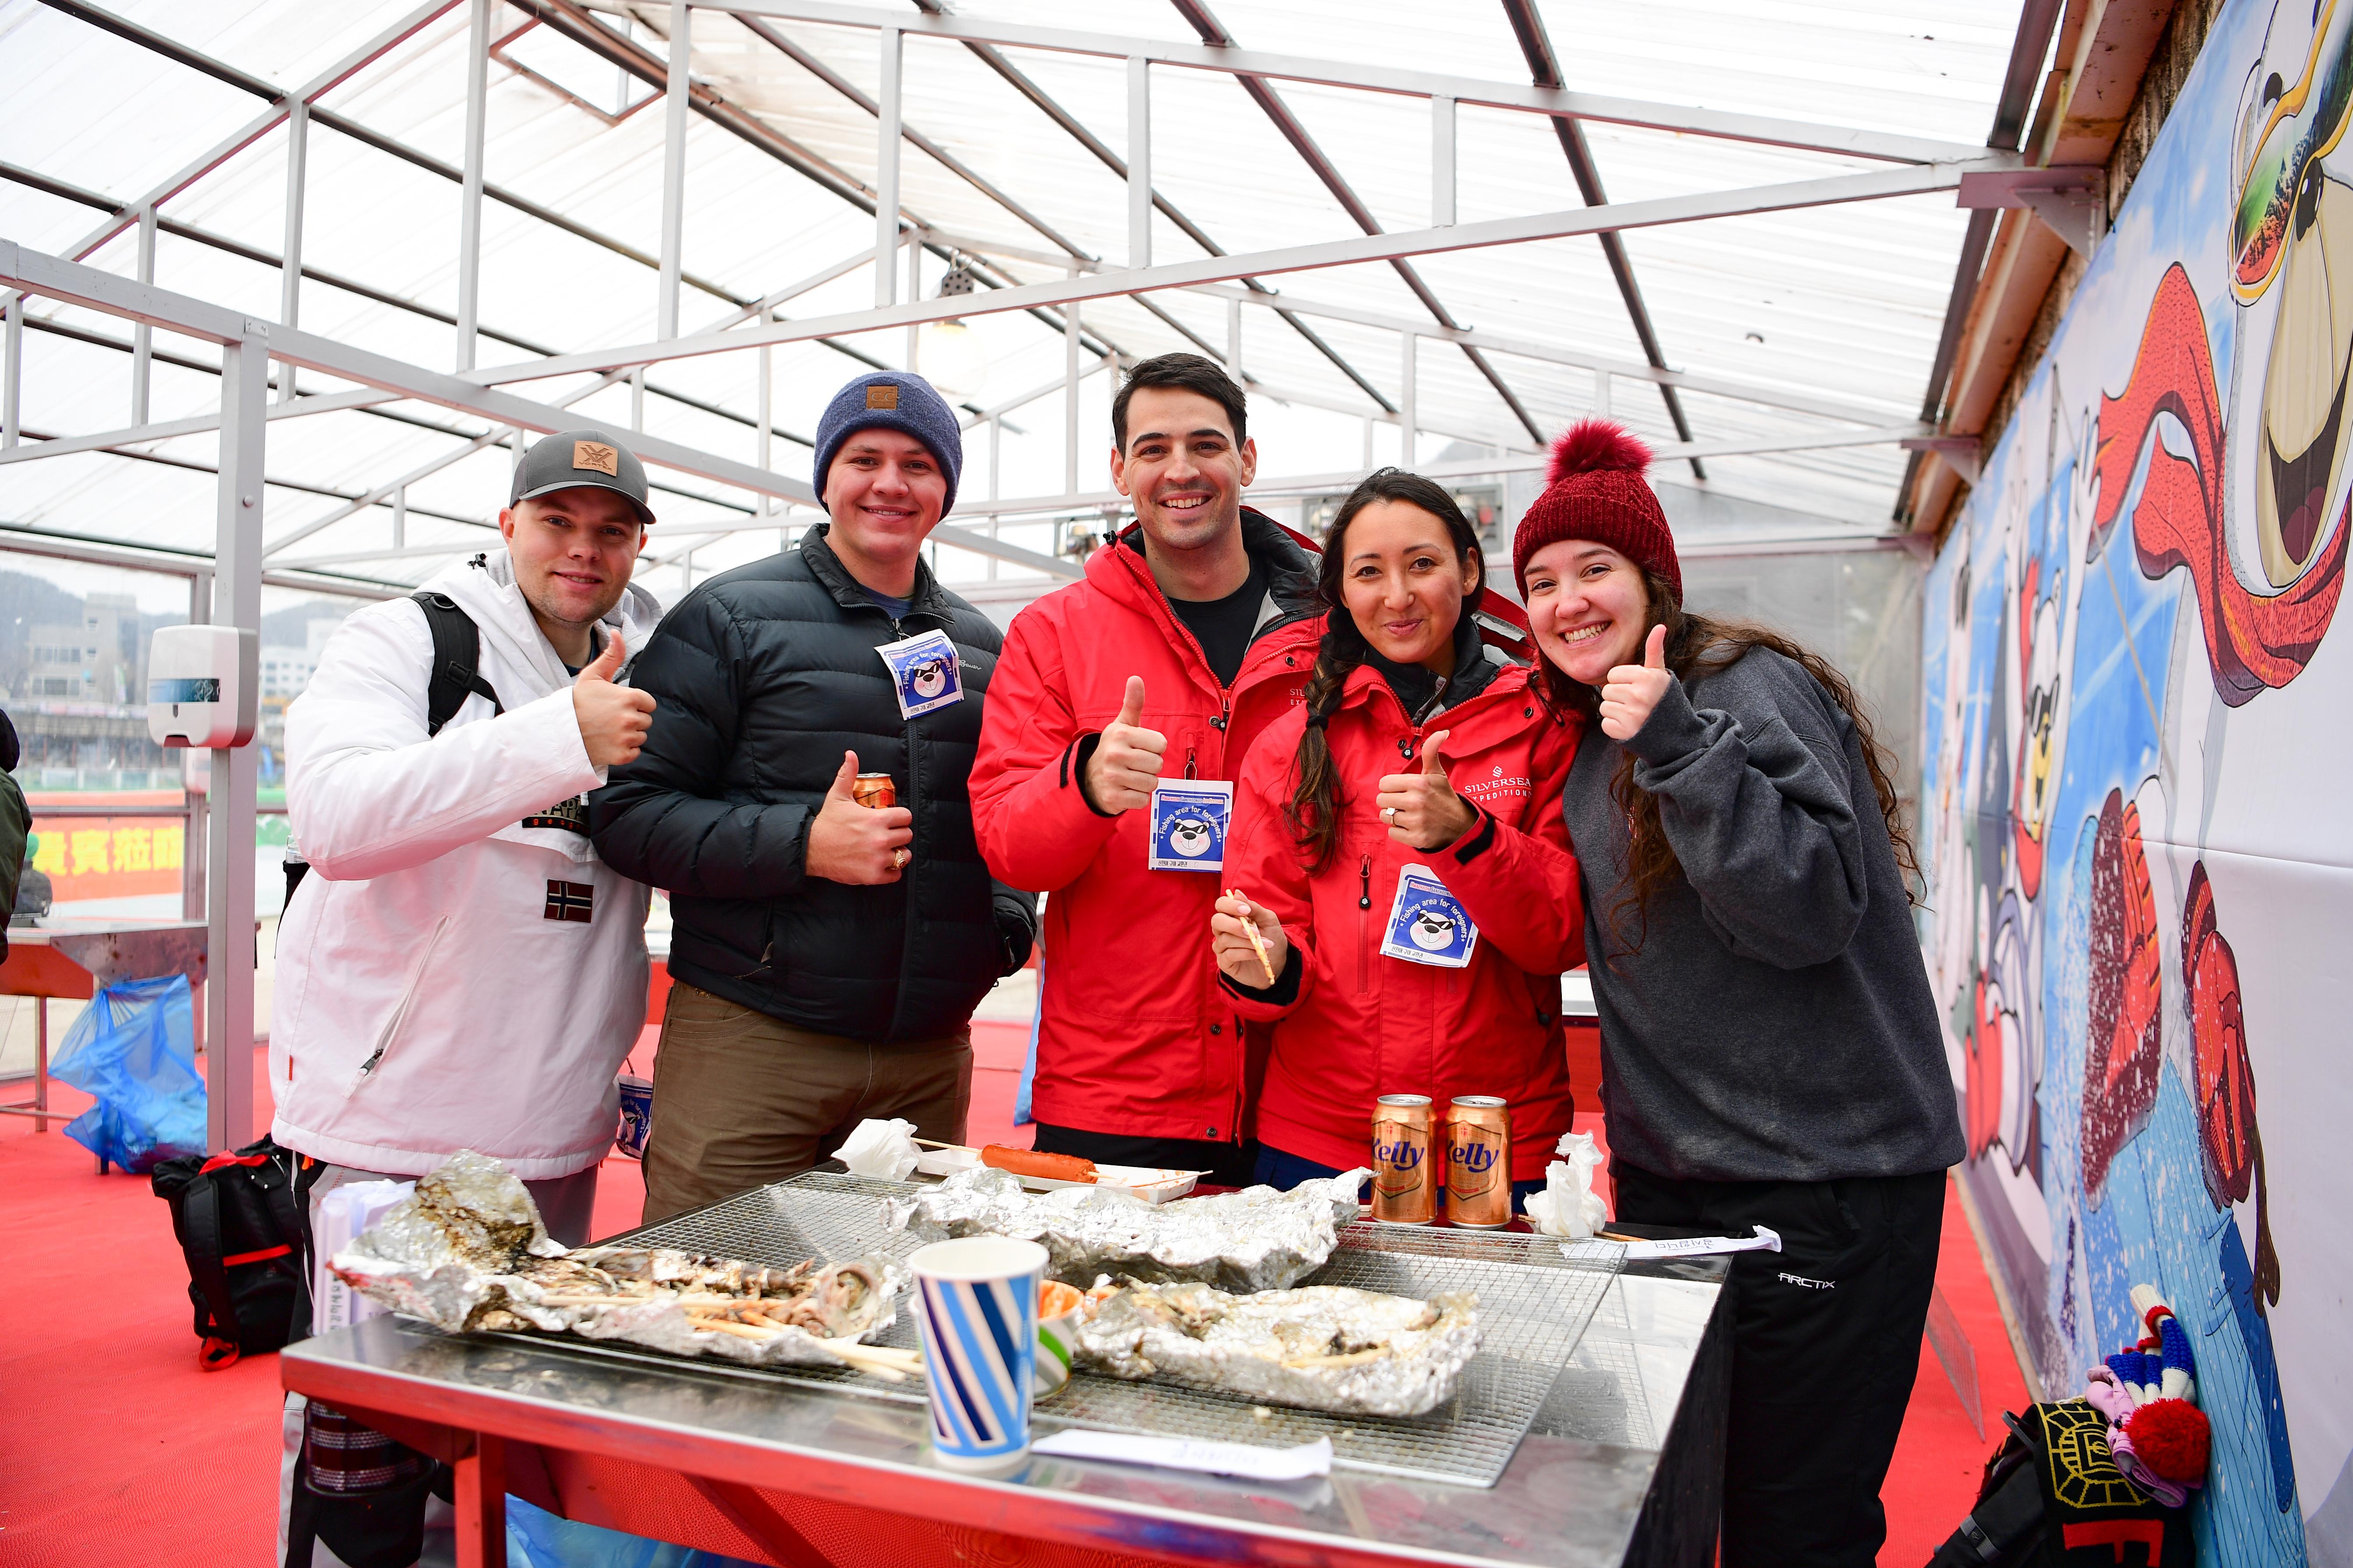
2156 1433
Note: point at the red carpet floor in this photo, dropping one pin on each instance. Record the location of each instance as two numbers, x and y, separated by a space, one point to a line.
115 1449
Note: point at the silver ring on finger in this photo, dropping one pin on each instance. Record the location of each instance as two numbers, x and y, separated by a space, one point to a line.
1389 813
899 859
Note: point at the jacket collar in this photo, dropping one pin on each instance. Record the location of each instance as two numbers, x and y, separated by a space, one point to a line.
1420 694
1286 558
928 598
484 588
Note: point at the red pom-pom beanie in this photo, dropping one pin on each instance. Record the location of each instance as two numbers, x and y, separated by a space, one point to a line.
1596 490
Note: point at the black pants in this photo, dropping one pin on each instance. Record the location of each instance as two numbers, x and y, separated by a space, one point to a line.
1826 1341
1227 1164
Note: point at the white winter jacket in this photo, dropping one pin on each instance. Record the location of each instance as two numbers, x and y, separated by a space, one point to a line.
437 989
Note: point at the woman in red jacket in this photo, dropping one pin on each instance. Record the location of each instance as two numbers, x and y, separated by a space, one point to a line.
1397 843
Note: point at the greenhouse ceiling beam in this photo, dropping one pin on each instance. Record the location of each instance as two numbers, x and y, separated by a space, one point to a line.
22 539
1197 17
195 424
391 146
281 103
53 186
1838 139
1045 103
1601 364
1787 196
1536 45
575 23
35 272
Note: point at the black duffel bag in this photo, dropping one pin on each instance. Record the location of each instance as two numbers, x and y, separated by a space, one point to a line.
242 1228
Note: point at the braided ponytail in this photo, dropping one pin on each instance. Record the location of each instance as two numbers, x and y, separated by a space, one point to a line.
1313 810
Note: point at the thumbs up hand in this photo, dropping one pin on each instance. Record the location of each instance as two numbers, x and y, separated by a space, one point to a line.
1126 760
849 843
1421 808
1632 690
613 719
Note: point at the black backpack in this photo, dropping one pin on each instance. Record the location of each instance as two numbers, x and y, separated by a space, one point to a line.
457 653
2053 1497
242 1228
457 658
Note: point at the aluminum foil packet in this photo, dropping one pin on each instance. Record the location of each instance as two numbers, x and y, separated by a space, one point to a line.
1260 1238
1321 1347
466 1252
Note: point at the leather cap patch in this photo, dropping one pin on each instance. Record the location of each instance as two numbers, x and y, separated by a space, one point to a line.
598 456
882 394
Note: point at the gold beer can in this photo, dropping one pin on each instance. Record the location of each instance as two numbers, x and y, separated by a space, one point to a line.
1405 1185
875 792
1479 1162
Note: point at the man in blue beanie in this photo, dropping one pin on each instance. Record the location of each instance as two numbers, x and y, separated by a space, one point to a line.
826 955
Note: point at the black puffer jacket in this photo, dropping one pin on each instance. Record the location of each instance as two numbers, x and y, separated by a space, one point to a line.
763 675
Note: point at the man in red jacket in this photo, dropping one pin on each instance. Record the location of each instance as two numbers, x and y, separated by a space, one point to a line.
1191 630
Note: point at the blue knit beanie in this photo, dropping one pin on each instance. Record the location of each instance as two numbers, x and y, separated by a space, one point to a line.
892 400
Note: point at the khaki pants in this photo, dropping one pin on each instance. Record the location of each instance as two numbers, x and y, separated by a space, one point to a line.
742 1100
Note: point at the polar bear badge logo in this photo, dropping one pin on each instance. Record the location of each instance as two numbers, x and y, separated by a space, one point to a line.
1432 931
924 674
1427 924
1189 818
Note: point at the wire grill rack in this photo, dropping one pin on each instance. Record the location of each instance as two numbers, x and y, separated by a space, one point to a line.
1533 1306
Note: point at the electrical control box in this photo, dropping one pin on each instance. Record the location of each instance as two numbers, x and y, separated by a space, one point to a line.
204 686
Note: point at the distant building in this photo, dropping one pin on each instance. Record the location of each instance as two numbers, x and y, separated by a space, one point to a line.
95 659
287 669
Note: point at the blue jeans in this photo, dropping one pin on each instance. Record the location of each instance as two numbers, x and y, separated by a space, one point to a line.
1278 1169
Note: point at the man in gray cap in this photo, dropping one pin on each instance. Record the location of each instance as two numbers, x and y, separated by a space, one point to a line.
461 970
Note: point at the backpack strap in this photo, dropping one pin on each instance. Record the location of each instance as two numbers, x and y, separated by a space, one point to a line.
456 653
201 1241
276 1180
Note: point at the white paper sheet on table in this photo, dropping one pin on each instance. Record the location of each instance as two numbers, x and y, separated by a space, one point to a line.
1189 1454
1597 1251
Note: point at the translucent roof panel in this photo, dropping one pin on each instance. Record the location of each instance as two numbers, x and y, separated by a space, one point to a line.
1841 303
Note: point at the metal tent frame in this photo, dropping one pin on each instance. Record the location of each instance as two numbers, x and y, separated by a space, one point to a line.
248 345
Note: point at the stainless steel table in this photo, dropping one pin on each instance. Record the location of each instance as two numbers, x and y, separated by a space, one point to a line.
1623 1465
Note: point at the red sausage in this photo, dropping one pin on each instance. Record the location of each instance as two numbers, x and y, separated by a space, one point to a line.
1030 1163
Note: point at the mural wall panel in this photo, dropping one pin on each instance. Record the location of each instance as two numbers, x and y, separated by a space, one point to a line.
2137 736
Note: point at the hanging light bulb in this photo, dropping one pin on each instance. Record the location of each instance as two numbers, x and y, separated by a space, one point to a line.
949 353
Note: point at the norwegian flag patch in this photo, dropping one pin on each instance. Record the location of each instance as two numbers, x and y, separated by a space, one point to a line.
570 900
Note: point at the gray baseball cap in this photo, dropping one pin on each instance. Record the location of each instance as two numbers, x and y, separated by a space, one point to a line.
571 458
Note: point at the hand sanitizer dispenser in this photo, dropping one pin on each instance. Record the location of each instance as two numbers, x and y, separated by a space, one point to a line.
204 686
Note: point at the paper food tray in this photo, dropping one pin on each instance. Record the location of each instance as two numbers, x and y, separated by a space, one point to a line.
1153 1186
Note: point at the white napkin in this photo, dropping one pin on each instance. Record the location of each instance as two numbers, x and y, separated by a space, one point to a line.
884 1150
1569 1207
1765 1240
1189 1454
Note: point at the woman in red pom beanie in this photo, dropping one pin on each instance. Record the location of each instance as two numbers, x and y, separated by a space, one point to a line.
1770 1050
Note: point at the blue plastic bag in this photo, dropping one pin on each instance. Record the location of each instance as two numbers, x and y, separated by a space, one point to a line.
537 1538
134 1050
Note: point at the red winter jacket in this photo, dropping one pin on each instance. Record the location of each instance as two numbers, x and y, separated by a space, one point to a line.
1366 1025
1135 1036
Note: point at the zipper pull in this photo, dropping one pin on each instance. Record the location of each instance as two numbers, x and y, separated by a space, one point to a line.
1225 713
1364 883
1192 767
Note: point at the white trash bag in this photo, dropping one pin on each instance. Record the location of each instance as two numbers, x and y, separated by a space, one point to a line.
884 1150
1569 1207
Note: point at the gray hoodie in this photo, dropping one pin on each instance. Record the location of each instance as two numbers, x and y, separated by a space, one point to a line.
1773 1021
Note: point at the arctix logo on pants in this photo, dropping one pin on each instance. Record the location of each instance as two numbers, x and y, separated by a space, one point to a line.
1801 1281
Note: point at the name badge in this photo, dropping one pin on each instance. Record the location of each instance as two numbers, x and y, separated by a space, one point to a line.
924 674
1189 820
1427 924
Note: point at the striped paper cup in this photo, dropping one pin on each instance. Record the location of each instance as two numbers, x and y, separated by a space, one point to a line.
977 1307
